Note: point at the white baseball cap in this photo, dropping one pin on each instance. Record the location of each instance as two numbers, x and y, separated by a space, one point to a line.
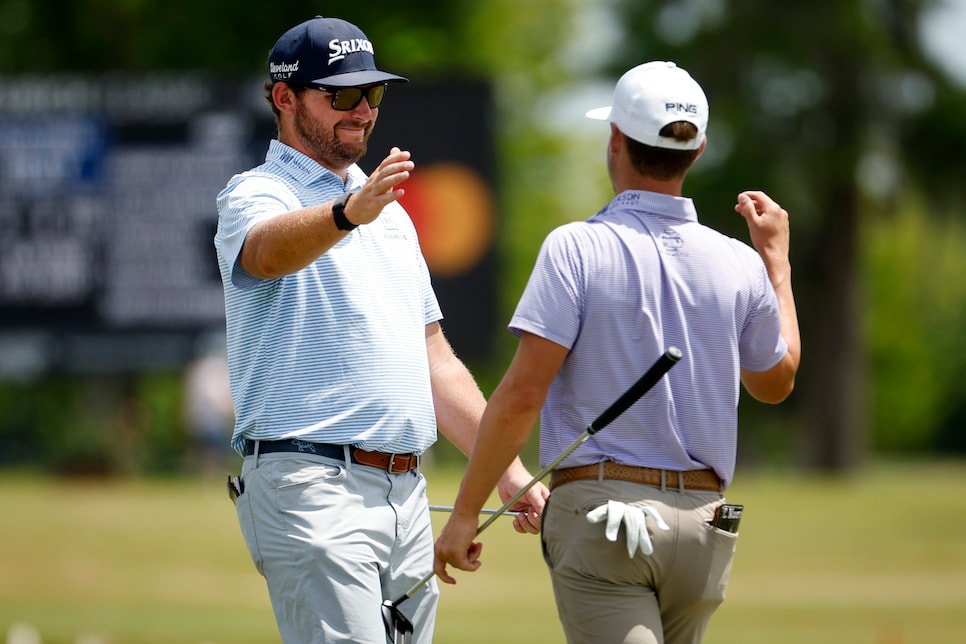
650 96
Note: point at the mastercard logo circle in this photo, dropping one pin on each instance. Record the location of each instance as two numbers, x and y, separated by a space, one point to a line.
452 209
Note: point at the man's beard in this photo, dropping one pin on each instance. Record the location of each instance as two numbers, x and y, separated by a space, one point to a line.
324 145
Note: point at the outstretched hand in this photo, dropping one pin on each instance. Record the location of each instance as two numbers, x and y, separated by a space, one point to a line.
381 188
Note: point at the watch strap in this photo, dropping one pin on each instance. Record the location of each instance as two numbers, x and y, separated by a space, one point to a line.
338 213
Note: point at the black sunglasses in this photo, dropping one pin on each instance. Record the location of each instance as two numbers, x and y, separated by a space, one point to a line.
348 98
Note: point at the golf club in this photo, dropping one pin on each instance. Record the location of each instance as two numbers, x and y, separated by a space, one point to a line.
398 626
449 508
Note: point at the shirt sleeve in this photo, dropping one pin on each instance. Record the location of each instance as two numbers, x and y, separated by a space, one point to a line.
552 301
246 201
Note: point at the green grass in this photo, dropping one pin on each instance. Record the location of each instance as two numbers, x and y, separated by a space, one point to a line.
879 558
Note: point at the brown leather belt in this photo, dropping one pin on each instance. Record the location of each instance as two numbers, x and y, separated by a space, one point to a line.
705 480
392 463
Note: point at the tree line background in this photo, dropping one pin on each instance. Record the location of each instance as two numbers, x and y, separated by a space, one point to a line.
831 106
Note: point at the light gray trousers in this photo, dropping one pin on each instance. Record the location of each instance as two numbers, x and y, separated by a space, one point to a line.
333 540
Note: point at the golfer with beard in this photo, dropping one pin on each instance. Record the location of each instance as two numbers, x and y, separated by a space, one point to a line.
340 372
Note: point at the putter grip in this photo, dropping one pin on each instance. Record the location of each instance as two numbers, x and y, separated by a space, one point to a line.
638 389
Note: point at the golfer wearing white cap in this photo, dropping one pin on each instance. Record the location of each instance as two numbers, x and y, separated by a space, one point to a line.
636 534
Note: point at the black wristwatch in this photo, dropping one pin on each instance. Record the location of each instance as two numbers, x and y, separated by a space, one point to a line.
338 213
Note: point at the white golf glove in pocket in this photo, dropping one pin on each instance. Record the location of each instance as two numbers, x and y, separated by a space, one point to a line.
635 524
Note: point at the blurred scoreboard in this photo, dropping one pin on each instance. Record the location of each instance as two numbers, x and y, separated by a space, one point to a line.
107 213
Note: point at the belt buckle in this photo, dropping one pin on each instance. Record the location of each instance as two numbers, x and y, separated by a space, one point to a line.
392 463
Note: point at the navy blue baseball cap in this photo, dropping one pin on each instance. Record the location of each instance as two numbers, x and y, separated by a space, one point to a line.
326 51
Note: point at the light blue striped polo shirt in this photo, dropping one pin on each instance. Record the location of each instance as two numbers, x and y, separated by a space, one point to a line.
618 289
335 352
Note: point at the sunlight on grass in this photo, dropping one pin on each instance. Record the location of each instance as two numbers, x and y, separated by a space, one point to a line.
877 558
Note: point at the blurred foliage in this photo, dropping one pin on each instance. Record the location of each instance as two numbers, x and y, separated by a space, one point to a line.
916 261
830 105
95 425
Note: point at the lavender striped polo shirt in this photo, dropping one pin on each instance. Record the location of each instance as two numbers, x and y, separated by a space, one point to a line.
617 290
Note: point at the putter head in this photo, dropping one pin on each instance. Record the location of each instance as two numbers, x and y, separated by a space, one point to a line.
398 626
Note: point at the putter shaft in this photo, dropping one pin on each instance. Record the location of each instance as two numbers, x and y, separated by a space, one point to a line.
449 508
661 366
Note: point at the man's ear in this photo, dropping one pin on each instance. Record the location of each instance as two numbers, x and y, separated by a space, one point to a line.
616 140
704 142
284 98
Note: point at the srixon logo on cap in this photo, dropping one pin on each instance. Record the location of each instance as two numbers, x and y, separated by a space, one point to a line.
339 49
687 108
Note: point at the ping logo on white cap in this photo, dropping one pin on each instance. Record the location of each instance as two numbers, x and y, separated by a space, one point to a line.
681 108
649 97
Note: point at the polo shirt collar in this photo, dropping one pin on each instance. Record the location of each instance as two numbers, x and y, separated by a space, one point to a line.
655 203
307 171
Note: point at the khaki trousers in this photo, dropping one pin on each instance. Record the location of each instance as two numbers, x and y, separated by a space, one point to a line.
604 597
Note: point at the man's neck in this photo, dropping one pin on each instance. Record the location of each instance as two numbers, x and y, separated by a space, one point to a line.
342 171
636 181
